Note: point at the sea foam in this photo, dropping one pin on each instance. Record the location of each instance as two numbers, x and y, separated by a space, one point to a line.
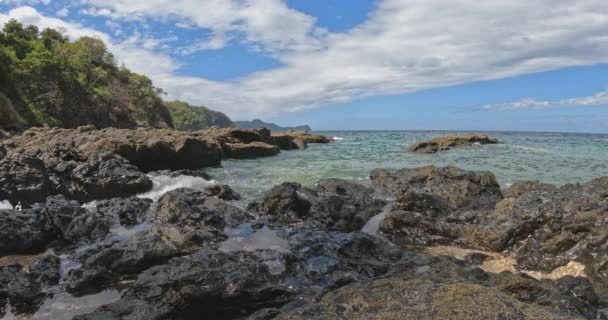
164 184
5 205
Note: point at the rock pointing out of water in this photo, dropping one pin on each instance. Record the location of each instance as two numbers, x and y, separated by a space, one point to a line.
451 141
87 164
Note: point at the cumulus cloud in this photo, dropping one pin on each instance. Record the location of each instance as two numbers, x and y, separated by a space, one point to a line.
269 24
402 47
598 99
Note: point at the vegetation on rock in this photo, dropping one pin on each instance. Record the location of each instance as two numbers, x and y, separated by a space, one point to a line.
48 80
257 123
191 118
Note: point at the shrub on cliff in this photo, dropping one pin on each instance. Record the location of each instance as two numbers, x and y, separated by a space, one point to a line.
190 118
46 79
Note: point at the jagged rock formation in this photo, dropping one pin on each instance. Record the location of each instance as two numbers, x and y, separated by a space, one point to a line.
449 142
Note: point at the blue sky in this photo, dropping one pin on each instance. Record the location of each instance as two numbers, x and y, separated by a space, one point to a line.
366 64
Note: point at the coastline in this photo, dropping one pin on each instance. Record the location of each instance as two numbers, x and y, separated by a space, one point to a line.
255 256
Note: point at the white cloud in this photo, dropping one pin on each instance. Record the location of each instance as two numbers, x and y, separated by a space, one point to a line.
64 12
403 46
23 2
131 52
598 99
269 24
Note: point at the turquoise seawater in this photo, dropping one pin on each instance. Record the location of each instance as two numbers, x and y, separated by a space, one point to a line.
555 158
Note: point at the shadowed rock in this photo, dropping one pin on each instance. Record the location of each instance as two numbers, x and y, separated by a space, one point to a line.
339 204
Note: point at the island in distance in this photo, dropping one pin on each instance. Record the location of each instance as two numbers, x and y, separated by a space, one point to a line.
257 123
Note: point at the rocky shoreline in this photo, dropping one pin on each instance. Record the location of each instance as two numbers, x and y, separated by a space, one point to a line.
88 164
296 252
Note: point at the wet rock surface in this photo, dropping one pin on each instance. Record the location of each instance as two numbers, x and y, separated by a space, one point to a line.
452 141
298 252
24 290
339 204
58 219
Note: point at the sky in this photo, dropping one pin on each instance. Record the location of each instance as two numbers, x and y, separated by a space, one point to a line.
360 64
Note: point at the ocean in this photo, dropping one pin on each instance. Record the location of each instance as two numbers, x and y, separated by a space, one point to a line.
555 158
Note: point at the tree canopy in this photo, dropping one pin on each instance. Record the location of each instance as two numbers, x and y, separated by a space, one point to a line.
46 79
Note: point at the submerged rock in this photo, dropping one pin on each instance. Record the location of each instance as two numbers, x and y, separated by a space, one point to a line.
451 141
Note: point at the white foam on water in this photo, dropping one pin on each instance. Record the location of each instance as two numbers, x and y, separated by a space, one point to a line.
67 264
64 306
371 227
6 205
164 184
338 138
243 238
90 206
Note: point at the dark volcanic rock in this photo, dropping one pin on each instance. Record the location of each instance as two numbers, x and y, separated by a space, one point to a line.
125 260
451 141
32 176
183 221
23 232
542 226
194 209
207 284
127 211
23 290
339 204
434 205
19 289
458 189
58 219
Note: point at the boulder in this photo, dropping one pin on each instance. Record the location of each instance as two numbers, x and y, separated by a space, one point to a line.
126 259
194 209
207 284
24 290
338 204
127 211
458 189
30 178
451 141
58 219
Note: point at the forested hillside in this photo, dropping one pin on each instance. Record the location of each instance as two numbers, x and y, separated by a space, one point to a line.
190 118
46 79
